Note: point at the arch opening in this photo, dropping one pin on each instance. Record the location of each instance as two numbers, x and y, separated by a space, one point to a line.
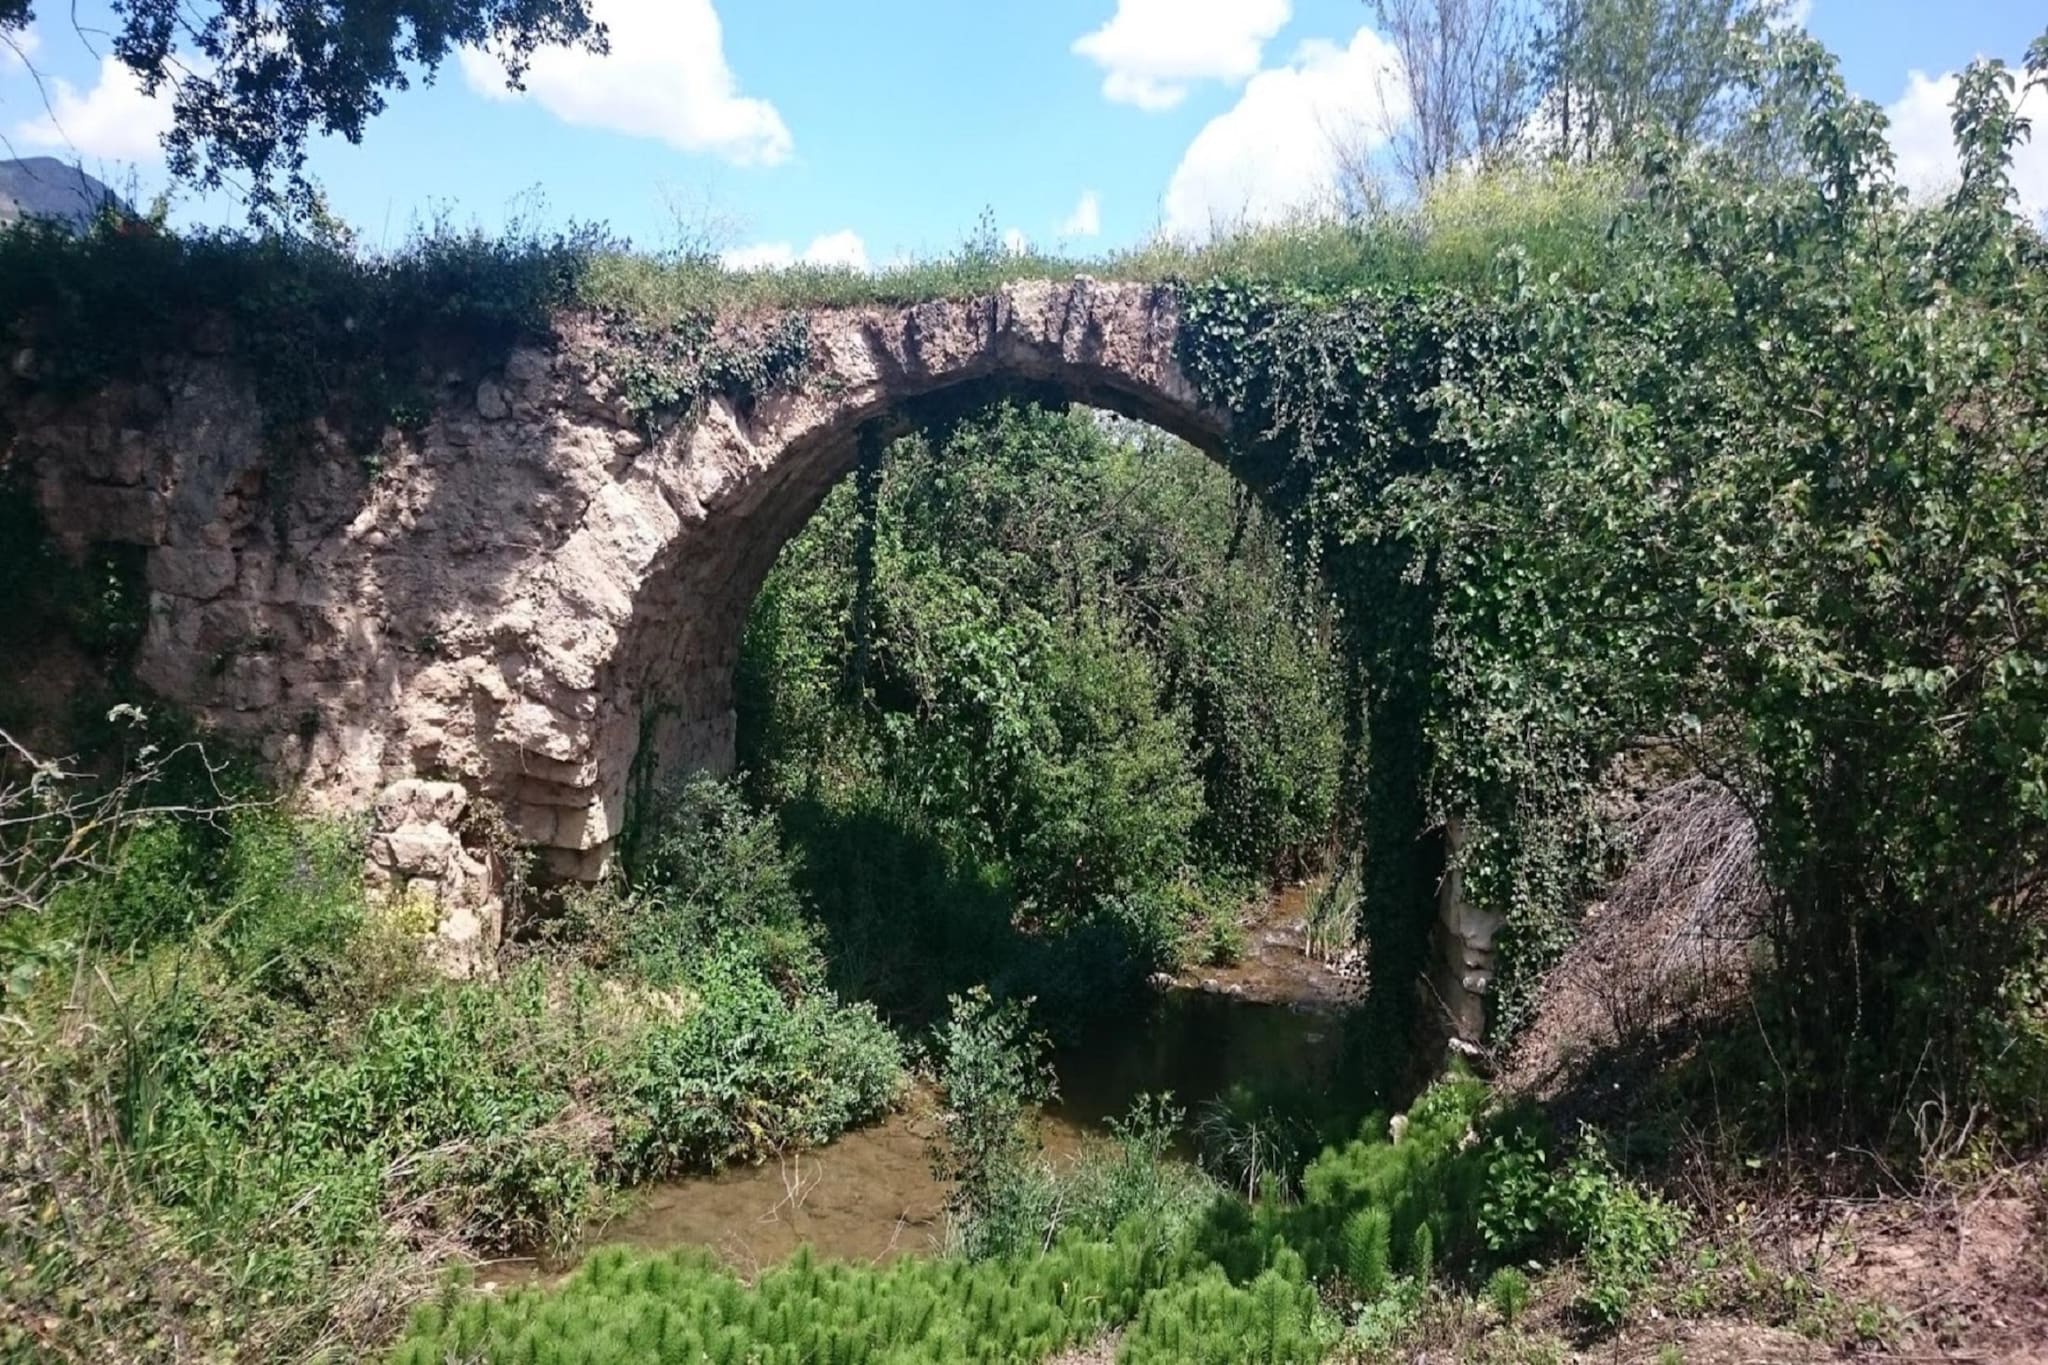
1054 732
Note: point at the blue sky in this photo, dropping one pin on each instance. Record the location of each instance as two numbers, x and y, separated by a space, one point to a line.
861 133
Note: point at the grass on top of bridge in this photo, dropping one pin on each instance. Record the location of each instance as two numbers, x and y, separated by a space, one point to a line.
1558 219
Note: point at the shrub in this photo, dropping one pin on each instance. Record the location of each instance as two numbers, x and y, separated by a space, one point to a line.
296 1098
1368 1253
1249 1142
1422 1255
708 876
1208 1320
622 1307
992 1068
1508 1291
731 1069
1132 1181
1625 1234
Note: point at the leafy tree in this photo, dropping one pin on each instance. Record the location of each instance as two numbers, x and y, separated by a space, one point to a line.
250 82
1073 655
1781 499
1573 80
1614 70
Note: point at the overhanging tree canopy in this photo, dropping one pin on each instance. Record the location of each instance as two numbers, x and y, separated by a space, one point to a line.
252 80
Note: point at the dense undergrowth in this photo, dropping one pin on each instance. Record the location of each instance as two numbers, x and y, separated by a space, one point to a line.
1767 493
258 1066
1044 703
1385 1226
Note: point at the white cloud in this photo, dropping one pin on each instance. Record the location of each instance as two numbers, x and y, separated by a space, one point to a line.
843 249
1152 50
666 77
1925 145
1015 242
114 120
1277 153
1086 219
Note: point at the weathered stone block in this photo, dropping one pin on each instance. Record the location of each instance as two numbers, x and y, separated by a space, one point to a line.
416 801
200 573
576 865
421 850
251 682
130 516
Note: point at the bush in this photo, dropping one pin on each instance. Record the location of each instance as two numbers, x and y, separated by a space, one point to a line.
707 876
736 1071
1624 1234
993 1069
298 1102
1208 1320
1508 1291
1369 1253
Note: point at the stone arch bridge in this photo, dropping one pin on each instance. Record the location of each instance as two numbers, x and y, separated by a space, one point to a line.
531 601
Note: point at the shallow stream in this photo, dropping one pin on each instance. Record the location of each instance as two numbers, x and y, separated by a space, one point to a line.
1274 1021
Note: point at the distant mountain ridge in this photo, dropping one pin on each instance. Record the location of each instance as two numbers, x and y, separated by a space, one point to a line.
44 187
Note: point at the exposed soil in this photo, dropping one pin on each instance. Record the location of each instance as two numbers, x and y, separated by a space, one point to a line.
1966 1274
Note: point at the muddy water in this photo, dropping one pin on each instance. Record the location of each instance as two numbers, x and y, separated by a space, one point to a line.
1275 1019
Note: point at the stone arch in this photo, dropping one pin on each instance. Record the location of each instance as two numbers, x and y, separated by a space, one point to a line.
685 569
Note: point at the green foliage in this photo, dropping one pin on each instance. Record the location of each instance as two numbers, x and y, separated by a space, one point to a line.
1616 73
1763 478
1075 672
293 1096
1422 1255
743 1071
1186 1274
248 87
1207 1319
1131 1180
993 1069
318 331
625 1308
1797 575
668 369
1369 1253
1626 1235
707 874
1248 1142
1139 1180
1623 1234
1334 911
1507 1289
